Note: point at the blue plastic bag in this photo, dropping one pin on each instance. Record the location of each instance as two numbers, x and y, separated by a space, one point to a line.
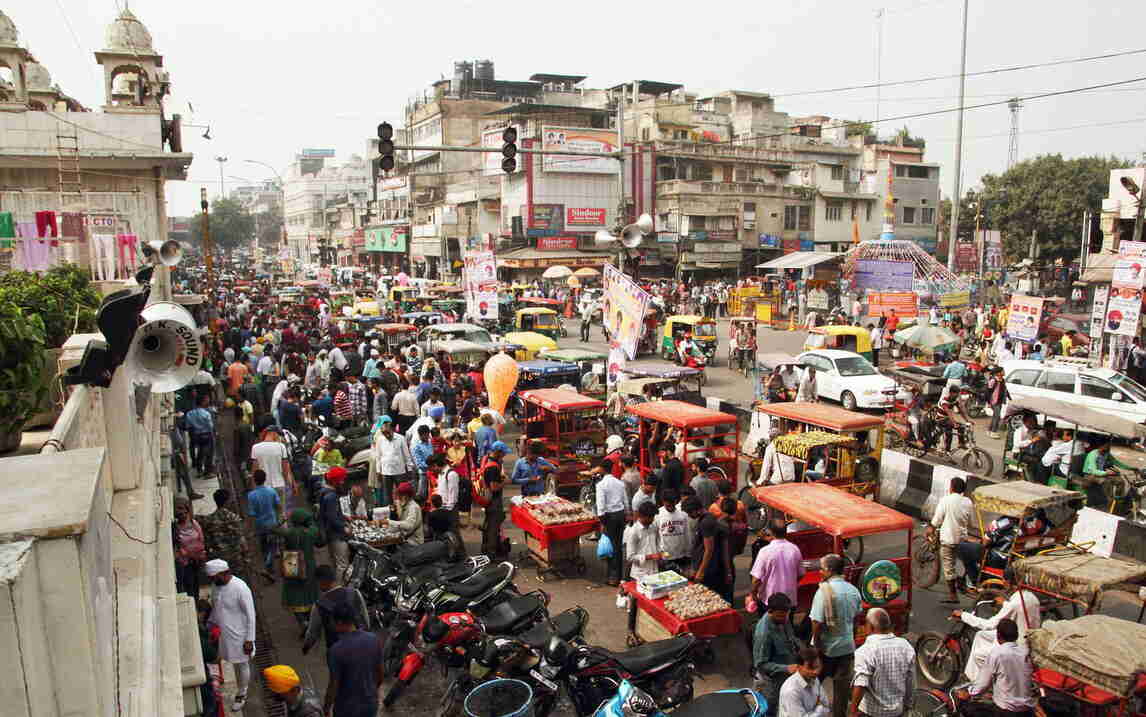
604 547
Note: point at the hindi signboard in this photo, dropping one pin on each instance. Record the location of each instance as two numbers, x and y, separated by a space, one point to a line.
578 139
479 281
883 275
624 311
955 299
882 303
1025 314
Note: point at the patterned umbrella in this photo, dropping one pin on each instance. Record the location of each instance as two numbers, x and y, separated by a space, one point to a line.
927 338
557 272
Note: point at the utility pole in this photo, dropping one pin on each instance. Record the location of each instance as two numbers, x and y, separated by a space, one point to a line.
958 146
221 160
208 249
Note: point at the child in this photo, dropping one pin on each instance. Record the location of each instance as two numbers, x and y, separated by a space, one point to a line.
672 527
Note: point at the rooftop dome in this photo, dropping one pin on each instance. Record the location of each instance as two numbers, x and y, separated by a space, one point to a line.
8 33
37 76
128 33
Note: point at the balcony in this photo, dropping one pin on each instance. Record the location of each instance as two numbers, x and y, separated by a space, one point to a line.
673 187
770 157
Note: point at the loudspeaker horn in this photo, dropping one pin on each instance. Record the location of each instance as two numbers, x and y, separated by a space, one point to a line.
645 223
632 236
604 239
165 351
168 253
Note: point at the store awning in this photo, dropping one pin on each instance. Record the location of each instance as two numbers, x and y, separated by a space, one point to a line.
530 258
1099 268
799 260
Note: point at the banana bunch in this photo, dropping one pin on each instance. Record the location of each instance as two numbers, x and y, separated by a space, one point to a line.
797 445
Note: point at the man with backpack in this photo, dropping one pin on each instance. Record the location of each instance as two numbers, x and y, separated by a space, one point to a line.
321 622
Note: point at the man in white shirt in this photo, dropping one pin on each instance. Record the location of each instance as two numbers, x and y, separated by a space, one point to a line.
642 552
776 467
672 529
1022 606
953 519
274 458
393 462
233 612
1057 457
802 694
338 360
612 501
1006 674
807 390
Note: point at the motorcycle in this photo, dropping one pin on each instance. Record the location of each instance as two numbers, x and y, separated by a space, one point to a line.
973 459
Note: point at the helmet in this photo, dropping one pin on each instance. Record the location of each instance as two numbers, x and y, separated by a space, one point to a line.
613 443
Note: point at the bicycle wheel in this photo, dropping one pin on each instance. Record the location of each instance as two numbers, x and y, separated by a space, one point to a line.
937 662
979 461
924 562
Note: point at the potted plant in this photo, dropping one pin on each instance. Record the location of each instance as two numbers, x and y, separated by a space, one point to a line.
22 385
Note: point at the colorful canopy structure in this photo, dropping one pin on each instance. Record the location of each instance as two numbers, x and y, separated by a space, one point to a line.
930 277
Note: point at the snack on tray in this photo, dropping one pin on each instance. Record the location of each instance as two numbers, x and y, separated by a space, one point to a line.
694 601
370 533
557 511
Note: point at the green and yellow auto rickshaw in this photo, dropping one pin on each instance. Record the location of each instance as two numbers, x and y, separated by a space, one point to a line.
702 330
540 320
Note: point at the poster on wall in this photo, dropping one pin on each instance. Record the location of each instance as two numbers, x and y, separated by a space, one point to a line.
1025 314
578 139
624 311
616 364
882 303
479 279
1123 311
550 217
817 299
883 275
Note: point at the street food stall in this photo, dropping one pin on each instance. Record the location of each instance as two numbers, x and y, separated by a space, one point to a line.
553 527
668 604
701 431
570 428
827 520
850 442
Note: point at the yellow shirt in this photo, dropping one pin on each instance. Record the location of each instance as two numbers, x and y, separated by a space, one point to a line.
1003 316
1067 345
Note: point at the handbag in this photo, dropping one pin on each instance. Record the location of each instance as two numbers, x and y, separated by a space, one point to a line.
294 564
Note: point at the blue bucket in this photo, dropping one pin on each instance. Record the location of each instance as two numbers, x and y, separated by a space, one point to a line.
500 698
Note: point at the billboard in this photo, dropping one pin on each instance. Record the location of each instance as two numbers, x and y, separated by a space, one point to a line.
585 217
578 139
769 241
550 217
624 311
479 284
880 274
992 250
882 303
966 257
1025 315
955 299
387 239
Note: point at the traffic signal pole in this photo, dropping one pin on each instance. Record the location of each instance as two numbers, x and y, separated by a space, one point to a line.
497 150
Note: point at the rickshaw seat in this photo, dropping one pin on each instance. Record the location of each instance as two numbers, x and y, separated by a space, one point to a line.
1079 690
993 572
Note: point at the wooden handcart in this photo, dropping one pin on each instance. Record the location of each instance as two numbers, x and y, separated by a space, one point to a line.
553 549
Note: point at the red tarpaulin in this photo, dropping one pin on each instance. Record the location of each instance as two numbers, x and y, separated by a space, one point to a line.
725 622
546 534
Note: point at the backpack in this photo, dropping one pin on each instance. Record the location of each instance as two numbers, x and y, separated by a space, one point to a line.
465 494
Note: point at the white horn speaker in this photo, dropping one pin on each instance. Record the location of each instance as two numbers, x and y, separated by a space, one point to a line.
604 239
165 351
632 236
645 223
168 253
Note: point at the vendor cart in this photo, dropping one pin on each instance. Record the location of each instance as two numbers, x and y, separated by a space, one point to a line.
657 622
554 549
571 431
1097 662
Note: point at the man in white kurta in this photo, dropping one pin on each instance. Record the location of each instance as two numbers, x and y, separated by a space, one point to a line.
1022 607
233 612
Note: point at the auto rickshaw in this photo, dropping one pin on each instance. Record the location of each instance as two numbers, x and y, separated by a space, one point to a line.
541 320
542 302
533 343
666 372
539 373
458 352
393 336
845 338
827 520
698 431
455 306
570 427
404 298
585 359
703 332
851 444
366 307
339 300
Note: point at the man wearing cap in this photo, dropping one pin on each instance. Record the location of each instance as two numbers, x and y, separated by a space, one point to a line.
300 701
530 470
493 478
332 519
393 462
233 612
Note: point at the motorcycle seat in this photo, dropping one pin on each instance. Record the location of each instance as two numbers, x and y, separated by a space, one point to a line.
411 555
481 581
725 704
503 618
651 654
567 626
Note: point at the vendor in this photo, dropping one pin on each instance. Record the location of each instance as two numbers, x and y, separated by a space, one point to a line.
530 470
406 514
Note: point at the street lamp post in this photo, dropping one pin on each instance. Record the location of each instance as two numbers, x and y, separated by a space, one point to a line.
221 159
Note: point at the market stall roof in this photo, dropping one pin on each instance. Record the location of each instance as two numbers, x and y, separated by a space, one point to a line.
799 260
528 257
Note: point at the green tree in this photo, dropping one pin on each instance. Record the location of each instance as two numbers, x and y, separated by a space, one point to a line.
270 227
231 225
63 298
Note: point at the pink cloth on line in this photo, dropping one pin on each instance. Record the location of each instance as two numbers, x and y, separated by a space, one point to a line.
46 224
36 254
127 249
778 567
26 230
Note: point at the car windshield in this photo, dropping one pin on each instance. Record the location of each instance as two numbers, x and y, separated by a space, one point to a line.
478 336
1129 386
706 330
855 366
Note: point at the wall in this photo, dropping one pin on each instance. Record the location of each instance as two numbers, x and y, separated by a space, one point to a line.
112 133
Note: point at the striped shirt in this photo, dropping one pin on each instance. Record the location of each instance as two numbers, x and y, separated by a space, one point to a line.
885 665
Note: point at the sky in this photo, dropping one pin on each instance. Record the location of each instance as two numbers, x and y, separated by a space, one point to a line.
271 78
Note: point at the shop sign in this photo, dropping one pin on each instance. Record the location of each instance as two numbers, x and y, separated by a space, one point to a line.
387 239
790 245
807 245
880 274
555 243
584 217
955 299
667 237
722 235
904 303
966 257
547 216
769 241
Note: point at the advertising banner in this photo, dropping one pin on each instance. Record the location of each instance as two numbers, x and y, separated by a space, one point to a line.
1123 310
769 241
585 217
992 250
479 282
550 217
616 364
955 300
388 239
555 243
578 139
966 257
882 275
1098 311
882 303
624 311
790 246
1025 314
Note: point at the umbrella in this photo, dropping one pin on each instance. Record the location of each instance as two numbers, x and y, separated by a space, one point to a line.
573 282
557 272
927 338
586 271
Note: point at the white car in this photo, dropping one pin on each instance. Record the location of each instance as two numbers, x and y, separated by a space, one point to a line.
849 378
1102 389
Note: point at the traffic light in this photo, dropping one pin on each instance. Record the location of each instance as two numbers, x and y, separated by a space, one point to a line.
509 150
385 146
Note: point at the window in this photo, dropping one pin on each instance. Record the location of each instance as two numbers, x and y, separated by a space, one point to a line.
703 172
840 173
680 134
868 206
909 215
1056 381
805 223
696 224
854 210
927 215
742 175
749 211
1024 376
834 211
1096 387
645 133
791 216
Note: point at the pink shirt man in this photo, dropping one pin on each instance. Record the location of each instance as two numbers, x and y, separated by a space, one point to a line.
778 569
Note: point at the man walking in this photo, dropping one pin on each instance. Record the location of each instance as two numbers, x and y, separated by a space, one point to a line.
223 533
392 460
356 669
284 682
333 596
884 680
774 649
333 520
953 520
273 458
233 612
201 425
612 506
834 609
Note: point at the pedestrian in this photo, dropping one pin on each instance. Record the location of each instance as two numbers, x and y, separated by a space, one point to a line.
298 564
201 425
778 566
273 458
774 650
643 554
835 607
1021 605
264 507
705 487
331 595
491 480
612 509
392 460
405 406
884 682
223 534
190 548
802 694
356 669
876 334
284 683
710 554
233 612
807 390
953 520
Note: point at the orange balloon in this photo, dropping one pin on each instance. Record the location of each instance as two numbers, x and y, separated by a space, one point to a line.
500 379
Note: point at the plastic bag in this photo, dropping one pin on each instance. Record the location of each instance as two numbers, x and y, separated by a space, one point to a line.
604 547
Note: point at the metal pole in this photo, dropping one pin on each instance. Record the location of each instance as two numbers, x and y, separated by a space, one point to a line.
1085 249
958 146
497 150
878 67
208 249
1138 216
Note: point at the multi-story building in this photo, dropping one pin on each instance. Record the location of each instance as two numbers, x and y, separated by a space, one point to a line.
311 187
897 166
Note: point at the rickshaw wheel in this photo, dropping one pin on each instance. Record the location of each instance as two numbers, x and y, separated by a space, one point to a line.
853 550
978 461
924 562
927 703
938 663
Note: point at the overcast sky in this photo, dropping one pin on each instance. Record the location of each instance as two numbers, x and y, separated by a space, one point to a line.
273 77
